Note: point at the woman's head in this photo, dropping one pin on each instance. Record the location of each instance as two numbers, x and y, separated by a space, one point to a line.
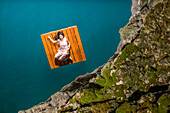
60 35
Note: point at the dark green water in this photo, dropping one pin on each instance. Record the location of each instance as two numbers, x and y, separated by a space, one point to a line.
25 75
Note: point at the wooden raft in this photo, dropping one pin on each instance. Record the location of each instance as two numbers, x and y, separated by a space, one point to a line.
76 49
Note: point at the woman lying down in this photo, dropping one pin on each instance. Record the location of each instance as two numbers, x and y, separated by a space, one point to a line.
63 53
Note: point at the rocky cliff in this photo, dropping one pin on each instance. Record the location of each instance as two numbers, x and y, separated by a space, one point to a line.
135 79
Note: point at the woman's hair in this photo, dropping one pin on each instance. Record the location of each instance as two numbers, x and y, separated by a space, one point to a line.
58 34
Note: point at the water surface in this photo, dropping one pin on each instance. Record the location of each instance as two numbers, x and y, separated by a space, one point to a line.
26 78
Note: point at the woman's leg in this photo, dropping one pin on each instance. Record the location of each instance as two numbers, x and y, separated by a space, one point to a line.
57 55
63 57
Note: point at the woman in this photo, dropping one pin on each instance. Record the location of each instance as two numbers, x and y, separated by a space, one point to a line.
63 53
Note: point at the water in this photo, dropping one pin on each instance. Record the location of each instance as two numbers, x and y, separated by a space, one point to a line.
25 75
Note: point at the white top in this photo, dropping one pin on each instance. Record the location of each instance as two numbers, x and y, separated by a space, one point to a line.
63 45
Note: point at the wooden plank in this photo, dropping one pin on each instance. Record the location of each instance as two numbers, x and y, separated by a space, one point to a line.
49 44
73 45
79 42
53 44
71 49
78 52
47 51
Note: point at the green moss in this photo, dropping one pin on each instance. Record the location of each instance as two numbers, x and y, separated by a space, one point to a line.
106 71
162 41
160 68
141 85
108 79
132 48
135 78
139 61
87 97
162 106
99 95
118 65
126 108
118 93
161 46
78 110
145 62
153 107
124 54
164 102
106 87
101 81
109 82
152 77
114 78
129 82
155 38
123 69
103 107
72 101
93 95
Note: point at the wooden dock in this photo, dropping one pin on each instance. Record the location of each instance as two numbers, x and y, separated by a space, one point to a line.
76 50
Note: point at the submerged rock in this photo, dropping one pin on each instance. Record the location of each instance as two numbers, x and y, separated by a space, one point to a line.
135 79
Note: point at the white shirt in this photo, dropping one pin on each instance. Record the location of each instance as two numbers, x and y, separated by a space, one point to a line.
63 45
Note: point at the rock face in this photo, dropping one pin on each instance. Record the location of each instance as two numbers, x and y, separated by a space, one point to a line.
135 79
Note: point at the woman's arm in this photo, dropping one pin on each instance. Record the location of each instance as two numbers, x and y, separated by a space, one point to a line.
51 39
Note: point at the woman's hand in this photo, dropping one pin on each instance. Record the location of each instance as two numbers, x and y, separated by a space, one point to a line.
48 36
51 39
